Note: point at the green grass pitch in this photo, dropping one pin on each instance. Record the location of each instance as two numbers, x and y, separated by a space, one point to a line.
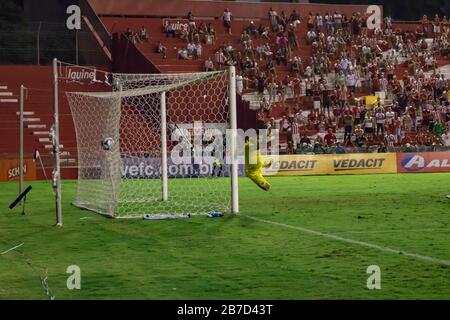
314 238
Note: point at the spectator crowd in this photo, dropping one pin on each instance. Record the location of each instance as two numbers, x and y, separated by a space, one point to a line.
338 84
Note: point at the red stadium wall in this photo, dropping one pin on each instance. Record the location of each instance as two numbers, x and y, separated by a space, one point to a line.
162 8
39 101
128 58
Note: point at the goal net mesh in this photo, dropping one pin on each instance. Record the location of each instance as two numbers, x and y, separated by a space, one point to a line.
119 145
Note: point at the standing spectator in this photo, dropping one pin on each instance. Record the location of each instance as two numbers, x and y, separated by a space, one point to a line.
227 20
220 58
239 84
190 17
311 21
292 38
272 88
265 105
425 25
319 22
143 35
294 18
380 119
368 125
436 26
337 18
348 126
446 139
351 82
197 50
329 23
273 18
295 134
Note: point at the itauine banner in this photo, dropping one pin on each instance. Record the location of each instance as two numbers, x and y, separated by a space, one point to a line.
423 162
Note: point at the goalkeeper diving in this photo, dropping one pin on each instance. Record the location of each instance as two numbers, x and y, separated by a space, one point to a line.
254 165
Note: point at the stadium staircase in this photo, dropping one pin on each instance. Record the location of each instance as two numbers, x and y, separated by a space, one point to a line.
38 117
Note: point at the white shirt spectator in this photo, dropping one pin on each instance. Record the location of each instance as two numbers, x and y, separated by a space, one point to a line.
198 50
351 80
311 35
380 116
239 84
220 57
390 116
446 139
183 54
227 16
190 48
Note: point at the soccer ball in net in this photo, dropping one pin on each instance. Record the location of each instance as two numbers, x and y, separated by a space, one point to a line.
107 144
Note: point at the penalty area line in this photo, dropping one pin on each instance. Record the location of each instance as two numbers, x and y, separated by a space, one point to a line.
354 242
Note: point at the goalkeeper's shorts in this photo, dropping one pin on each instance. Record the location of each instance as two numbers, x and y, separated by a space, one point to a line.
258 179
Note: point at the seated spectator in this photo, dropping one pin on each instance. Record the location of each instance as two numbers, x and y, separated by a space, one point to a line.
360 138
183 54
211 31
209 65
161 49
330 137
190 48
339 149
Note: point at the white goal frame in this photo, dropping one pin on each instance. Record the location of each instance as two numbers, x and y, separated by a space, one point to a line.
165 189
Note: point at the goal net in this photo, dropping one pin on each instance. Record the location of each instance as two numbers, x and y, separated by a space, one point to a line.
156 144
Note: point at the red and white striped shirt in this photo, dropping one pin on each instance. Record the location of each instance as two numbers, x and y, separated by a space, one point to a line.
295 128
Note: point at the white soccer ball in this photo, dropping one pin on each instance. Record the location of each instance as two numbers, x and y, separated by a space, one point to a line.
107 144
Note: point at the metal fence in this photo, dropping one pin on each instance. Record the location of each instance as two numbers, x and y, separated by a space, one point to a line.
39 42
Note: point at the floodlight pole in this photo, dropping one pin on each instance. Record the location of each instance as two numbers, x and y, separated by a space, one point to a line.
164 175
233 143
57 172
22 89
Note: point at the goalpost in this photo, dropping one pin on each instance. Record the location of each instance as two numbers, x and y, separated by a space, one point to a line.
158 144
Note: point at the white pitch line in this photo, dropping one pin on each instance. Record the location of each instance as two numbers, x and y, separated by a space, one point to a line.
394 231
13 248
351 241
